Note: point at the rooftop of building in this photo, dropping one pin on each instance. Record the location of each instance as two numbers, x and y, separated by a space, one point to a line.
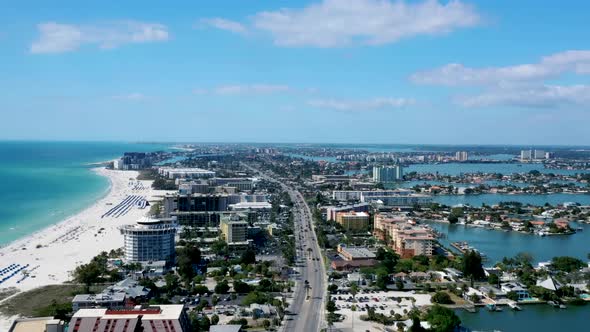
148 223
357 252
102 297
37 324
169 311
353 214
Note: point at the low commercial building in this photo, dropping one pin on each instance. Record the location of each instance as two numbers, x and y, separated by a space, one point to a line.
353 258
103 300
352 253
353 221
162 318
37 324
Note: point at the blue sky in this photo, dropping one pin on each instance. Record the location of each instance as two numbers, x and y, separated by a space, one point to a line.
338 71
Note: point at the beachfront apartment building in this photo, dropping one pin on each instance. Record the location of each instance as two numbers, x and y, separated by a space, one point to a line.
161 318
387 173
353 221
150 240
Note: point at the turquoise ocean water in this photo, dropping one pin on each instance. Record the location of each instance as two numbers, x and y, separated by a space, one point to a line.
42 183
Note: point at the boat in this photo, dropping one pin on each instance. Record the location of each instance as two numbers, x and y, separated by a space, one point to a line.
562 306
514 306
551 303
493 307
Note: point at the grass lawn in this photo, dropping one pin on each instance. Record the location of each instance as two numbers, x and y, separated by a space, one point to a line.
37 302
6 292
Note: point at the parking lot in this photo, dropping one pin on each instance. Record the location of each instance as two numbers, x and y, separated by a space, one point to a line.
399 302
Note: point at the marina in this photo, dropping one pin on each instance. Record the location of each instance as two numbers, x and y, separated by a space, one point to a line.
464 247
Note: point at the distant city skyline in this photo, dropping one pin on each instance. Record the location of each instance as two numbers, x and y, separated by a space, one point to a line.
325 71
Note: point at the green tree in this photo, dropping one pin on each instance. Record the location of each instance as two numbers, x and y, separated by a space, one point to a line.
472 267
442 298
512 295
416 326
567 264
248 257
187 257
442 319
214 319
241 287
332 288
222 287
493 279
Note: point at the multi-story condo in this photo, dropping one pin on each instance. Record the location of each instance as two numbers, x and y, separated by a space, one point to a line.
406 239
233 230
353 221
399 200
387 173
526 155
150 240
197 202
539 154
414 241
178 173
332 210
461 156
241 184
357 195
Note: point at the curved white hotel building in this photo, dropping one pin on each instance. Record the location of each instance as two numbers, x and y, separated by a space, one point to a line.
149 240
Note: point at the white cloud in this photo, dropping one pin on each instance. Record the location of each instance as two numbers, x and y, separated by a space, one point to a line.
245 89
251 89
337 23
361 105
548 67
547 96
131 97
59 38
224 24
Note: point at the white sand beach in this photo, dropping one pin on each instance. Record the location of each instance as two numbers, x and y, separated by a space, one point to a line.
50 255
